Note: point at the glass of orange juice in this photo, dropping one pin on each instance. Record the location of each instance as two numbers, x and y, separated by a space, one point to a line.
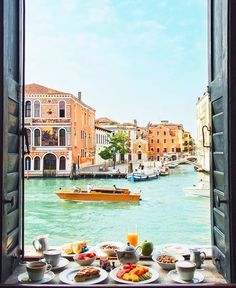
132 235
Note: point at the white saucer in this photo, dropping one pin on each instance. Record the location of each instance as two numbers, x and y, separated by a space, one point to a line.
197 278
24 278
62 263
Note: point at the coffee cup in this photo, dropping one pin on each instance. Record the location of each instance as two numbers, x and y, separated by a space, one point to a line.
37 269
52 256
185 270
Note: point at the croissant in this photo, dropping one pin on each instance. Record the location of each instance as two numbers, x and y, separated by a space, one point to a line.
78 246
67 248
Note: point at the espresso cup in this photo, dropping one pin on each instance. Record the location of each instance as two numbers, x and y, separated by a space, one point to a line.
37 269
185 270
52 256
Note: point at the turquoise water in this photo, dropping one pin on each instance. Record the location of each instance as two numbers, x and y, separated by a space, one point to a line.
165 214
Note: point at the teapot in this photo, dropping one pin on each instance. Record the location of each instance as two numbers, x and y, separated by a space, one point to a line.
129 254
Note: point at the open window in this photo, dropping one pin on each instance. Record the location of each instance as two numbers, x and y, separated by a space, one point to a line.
222 64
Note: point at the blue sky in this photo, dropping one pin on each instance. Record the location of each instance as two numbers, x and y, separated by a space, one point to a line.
132 59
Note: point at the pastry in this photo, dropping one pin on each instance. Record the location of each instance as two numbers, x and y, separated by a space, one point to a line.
86 273
67 248
77 247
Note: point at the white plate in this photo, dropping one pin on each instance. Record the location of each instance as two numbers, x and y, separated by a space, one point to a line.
100 251
197 277
155 276
175 249
62 263
24 278
68 275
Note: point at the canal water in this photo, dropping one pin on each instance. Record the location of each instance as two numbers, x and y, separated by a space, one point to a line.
165 214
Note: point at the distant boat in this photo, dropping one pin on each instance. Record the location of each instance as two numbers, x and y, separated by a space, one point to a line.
164 171
172 165
99 194
202 189
142 176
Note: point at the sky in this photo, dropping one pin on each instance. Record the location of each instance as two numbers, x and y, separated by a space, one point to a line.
131 59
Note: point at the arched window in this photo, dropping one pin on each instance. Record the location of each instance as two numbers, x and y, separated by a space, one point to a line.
27 109
62 137
28 131
62 109
37 163
27 163
36 137
62 164
37 109
139 155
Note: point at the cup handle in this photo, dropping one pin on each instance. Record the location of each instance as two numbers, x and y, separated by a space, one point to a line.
48 267
139 250
203 256
35 244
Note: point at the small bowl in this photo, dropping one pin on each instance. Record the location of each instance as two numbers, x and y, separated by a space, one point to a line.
85 262
163 265
109 248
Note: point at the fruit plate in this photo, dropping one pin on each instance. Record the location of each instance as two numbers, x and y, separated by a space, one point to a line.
155 276
67 277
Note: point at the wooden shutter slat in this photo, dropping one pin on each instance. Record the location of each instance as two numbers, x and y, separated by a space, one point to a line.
218 141
218 158
12 220
15 195
217 121
13 143
13 107
13 162
220 239
13 124
219 219
219 179
12 239
12 181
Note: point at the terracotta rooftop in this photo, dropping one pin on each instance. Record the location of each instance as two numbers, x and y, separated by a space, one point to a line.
105 120
39 89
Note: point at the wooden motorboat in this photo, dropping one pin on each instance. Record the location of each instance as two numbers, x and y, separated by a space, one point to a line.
99 194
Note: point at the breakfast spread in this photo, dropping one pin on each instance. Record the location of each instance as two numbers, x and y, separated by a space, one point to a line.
166 259
75 247
134 273
86 273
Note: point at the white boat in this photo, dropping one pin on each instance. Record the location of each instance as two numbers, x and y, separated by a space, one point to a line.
202 189
141 176
164 171
172 164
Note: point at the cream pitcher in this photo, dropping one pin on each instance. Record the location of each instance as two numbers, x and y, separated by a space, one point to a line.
40 243
197 257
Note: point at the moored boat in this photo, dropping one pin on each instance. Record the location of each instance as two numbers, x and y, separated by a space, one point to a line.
99 194
172 165
140 176
164 171
202 189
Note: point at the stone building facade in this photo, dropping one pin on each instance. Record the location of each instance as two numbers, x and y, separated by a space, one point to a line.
60 129
101 139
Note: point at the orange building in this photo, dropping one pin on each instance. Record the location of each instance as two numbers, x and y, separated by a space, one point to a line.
60 130
163 139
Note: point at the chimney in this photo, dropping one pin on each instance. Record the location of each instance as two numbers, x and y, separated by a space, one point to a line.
79 96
